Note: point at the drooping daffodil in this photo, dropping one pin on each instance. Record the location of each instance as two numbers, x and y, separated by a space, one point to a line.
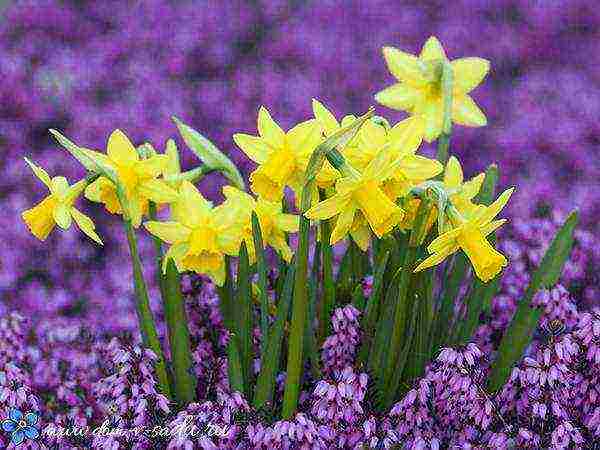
469 234
461 192
57 208
419 88
200 235
360 193
274 223
281 157
138 178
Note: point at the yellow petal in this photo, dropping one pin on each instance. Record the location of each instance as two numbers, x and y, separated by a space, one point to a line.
404 66
104 191
400 96
327 208
151 167
176 252
492 226
268 129
254 147
486 260
361 235
86 225
435 259
472 187
466 112
158 191
406 136
279 243
59 187
136 207
453 177
173 166
325 117
62 216
120 149
381 213
304 137
287 222
39 219
443 240
433 116
342 225
469 73
419 168
494 209
169 232
432 50
40 173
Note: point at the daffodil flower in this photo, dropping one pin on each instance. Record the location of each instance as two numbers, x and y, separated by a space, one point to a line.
57 208
360 193
282 157
138 178
274 223
200 235
470 236
419 89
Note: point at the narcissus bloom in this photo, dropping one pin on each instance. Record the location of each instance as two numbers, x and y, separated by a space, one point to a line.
360 193
470 236
461 193
57 208
200 235
138 177
282 157
274 223
419 89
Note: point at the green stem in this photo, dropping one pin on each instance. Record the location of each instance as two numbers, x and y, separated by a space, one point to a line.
160 278
328 300
299 312
244 310
179 337
145 317
226 298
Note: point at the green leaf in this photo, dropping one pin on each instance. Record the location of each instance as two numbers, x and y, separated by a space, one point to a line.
488 187
520 332
209 154
265 383
179 337
328 298
234 367
85 158
261 268
244 315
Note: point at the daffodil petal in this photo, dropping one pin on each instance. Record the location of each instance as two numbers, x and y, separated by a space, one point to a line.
325 117
342 225
172 166
268 129
304 137
492 226
472 187
420 168
62 216
40 173
327 208
158 191
469 73
435 259
433 116
287 222
433 50
466 112
404 66
361 235
400 96
169 232
406 136
120 149
86 225
59 186
254 147
453 176
494 209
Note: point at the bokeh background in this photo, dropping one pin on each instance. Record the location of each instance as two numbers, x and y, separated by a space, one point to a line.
87 67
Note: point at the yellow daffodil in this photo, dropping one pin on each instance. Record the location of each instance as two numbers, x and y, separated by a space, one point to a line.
419 88
282 157
470 236
461 193
360 193
200 235
274 223
57 208
138 177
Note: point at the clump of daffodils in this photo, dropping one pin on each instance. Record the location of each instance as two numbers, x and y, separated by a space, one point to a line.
372 189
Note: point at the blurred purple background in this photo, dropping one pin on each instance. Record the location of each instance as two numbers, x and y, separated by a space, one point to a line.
87 67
